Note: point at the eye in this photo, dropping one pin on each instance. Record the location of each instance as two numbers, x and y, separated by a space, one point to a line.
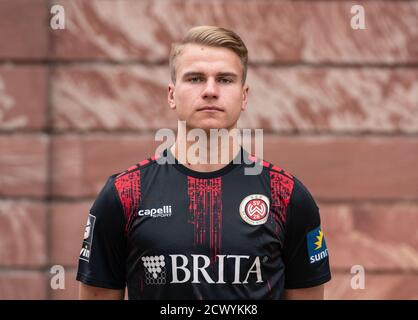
195 79
225 80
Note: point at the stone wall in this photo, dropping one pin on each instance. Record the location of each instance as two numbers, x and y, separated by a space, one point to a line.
339 109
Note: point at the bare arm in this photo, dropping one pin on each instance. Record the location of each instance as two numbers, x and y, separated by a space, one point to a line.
314 293
87 292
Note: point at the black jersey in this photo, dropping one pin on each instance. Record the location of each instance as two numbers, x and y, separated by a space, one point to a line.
168 232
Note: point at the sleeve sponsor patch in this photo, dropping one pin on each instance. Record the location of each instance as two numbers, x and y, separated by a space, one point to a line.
317 248
88 238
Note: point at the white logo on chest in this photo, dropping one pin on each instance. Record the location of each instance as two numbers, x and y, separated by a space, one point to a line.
163 212
254 209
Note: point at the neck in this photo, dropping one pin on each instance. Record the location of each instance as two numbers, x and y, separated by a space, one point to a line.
206 155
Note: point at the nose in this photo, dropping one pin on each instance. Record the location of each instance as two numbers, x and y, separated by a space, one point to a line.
210 90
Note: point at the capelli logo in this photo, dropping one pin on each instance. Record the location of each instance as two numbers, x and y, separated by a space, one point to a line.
163 212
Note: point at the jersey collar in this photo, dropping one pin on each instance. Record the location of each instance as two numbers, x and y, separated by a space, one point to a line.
235 163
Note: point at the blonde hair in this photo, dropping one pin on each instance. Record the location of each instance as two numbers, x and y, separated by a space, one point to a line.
213 37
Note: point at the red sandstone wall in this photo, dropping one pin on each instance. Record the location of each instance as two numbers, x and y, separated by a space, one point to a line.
339 108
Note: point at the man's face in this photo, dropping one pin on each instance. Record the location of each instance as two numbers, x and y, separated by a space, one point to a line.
208 93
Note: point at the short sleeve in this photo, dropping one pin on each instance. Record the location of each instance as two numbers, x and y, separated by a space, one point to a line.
305 253
103 252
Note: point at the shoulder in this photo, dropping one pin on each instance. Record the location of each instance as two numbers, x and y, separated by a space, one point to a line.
277 176
127 183
284 185
126 186
135 169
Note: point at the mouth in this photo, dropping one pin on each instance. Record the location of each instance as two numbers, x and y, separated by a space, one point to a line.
210 109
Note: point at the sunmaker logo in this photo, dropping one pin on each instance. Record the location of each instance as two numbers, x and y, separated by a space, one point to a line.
317 248
178 268
163 212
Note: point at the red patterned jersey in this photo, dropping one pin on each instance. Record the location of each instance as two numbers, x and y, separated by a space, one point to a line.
167 232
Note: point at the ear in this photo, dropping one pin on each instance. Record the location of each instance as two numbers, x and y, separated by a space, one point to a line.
245 94
171 96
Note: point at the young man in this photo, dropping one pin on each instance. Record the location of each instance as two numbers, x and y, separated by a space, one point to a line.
204 230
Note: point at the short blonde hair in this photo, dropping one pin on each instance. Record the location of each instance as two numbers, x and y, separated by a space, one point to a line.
213 37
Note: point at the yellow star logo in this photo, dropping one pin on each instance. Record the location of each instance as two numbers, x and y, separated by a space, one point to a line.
320 238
